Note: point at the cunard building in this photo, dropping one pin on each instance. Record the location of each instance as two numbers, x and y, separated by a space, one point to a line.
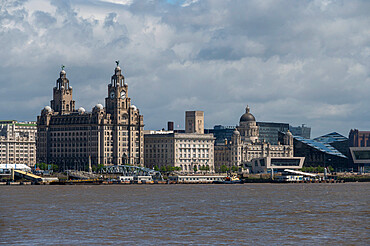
110 135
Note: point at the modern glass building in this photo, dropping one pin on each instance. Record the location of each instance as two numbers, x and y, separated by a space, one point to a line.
320 154
269 131
302 131
221 133
337 141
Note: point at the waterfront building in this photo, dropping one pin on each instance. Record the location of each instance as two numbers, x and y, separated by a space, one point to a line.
337 141
318 153
18 142
302 131
245 145
110 135
359 145
268 132
186 151
359 138
277 164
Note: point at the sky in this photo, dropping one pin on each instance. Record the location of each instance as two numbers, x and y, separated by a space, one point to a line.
297 62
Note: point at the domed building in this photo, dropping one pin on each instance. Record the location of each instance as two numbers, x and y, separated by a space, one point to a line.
245 146
248 127
110 135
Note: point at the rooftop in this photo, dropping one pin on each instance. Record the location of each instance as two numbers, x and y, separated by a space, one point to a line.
331 137
321 146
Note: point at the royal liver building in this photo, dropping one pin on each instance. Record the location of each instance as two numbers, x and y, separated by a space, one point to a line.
107 135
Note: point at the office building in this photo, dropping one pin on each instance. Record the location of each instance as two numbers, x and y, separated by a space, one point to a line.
319 154
302 131
107 135
245 145
18 142
359 145
268 131
337 141
186 151
221 133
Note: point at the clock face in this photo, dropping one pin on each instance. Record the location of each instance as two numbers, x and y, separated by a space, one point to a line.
112 95
123 94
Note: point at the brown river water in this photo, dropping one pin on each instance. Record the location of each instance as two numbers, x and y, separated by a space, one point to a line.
243 214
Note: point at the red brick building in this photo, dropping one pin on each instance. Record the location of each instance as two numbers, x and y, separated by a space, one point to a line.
359 138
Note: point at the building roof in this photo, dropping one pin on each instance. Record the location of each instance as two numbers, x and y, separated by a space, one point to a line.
323 147
247 116
331 137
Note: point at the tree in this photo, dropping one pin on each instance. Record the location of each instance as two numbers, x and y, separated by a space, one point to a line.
234 168
195 168
156 168
320 169
224 169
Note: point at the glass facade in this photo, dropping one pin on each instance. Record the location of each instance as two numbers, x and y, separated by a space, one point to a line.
284 162
362 154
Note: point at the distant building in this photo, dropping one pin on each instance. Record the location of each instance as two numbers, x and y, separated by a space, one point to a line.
318 153
278 164
337 141
359 138
245 145
183 150
18 142
186 151
221 133
268 131
359 145
302 131
109 135
194 122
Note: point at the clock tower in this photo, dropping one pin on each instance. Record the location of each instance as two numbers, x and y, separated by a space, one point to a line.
62 95
125 123
117 101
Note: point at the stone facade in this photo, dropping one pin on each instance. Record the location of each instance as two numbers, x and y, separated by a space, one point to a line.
183 150
245 145
18 142
107 135
194 122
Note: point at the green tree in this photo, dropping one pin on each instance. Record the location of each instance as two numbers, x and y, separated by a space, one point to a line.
224 169
156 168
207 167
234 168
55 167
320 169
195 168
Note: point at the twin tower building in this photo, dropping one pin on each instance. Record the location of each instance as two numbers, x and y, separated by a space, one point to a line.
107 135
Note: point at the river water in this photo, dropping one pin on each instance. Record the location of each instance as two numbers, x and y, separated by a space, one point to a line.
246 214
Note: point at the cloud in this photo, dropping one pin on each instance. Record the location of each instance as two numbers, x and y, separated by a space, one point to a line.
295 62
